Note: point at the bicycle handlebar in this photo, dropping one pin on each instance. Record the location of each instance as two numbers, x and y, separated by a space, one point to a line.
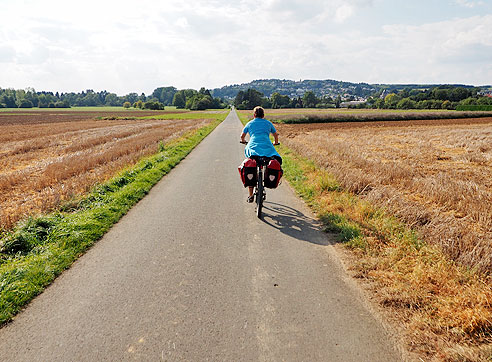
246 142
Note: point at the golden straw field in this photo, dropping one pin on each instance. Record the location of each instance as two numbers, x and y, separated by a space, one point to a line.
437 178
46 159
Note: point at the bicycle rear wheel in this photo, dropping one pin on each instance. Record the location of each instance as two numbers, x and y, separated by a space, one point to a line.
259 194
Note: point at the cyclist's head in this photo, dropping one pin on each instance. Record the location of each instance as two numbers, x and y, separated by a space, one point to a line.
258 112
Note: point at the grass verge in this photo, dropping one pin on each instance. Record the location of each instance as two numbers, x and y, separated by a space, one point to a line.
445 309
39 249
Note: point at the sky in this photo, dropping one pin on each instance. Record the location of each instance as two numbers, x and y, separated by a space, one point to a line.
136 46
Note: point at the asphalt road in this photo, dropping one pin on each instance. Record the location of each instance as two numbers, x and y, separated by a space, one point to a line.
190 274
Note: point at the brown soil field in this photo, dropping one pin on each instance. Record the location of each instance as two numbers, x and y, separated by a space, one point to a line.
436 176
36 117
47 158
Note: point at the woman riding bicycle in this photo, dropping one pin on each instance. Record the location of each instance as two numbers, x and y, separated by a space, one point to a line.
259 144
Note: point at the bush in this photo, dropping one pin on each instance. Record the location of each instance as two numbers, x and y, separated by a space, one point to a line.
153 105
406 103
469 101
25 103
447 105
62 104
127 105
201 102
484 101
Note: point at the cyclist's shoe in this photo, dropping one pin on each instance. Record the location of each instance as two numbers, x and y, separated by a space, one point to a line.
264 197
250 199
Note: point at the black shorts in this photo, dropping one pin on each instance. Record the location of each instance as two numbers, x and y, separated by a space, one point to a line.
278 158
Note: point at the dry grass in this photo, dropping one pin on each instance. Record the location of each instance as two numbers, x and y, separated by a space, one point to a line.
436 178
442 310
45 163
438 181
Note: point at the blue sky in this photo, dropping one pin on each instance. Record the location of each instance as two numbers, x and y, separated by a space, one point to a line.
126 46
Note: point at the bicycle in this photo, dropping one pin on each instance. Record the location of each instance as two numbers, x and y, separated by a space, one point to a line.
259 190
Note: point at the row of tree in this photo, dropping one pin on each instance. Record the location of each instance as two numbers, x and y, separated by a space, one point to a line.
295 89
160 97
441 97
250 98
28 98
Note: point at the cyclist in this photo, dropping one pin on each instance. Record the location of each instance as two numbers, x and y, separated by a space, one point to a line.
259 144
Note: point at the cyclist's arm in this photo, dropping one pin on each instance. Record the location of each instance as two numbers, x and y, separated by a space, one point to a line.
275 137
242 137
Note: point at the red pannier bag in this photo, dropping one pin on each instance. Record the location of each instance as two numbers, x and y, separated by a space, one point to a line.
248 172
273 174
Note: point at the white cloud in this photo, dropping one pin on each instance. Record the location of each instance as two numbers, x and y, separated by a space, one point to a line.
457 50
182 22
469 4
134 47
343 13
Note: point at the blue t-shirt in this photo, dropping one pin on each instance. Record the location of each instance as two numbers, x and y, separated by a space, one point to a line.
259 144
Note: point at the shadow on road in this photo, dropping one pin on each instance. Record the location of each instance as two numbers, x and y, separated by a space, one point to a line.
294 223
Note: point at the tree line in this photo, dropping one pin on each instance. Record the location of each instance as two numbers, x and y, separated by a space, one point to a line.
292 88
160 97
251 97
441 97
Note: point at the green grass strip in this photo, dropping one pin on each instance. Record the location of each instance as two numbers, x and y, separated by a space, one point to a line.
38 250
295 170
474 108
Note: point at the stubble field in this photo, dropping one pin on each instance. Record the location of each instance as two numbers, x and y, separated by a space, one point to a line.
430 268
47 158
437 176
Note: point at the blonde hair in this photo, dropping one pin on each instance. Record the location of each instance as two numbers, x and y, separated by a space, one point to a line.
258 112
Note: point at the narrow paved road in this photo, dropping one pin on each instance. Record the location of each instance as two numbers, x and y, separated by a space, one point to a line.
190 274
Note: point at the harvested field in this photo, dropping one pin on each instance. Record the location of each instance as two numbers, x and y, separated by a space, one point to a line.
47 158
56 116
435 175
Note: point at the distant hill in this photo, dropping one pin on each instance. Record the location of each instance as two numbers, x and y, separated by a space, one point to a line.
297 88
326 87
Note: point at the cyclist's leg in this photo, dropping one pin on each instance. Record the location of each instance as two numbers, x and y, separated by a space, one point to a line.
278 158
